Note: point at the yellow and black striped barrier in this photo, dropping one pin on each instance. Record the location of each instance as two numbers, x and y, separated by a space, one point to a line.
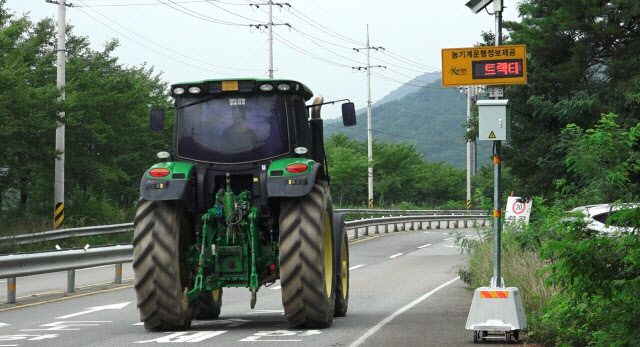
58 214
468 204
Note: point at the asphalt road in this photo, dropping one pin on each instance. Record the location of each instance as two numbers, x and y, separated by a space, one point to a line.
404 291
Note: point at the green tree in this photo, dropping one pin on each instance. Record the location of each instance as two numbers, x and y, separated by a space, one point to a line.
602 160
582 62
348 169
108 145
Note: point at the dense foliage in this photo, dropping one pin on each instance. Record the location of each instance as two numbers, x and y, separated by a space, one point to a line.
582 62
576 142
108 146
399 175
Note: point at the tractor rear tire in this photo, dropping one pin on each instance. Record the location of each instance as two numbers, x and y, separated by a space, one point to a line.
342 265
209 304
307 258
161 236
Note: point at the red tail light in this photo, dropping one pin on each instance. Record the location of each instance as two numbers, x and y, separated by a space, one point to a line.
159 172
297 168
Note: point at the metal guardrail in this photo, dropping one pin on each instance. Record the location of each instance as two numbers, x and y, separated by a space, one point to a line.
25 264
126 227
66 233
409 223
414 212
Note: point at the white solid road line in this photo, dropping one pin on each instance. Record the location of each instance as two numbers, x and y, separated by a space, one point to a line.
395 255
95 267
449 239
427 245
373 330
355 267
276 287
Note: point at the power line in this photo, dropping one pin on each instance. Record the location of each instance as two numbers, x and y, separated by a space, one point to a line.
300 50
321 27
166 48
151 49
408 61
210 2
141 4
199 15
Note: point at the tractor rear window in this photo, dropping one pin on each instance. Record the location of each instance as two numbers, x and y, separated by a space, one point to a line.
232 128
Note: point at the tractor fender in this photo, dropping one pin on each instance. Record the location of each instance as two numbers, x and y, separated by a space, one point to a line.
292 186
163 189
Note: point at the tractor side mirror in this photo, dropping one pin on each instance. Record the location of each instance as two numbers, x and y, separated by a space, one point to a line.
348 114
156 120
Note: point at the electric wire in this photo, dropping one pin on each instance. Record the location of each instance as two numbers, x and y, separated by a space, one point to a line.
407 61
200 16
151 49
325 29
210 2
169 49
141 4
305 52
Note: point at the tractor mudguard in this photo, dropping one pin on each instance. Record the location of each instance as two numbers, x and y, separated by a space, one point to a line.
292 185
170 187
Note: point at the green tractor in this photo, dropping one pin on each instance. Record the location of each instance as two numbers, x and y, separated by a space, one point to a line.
242 201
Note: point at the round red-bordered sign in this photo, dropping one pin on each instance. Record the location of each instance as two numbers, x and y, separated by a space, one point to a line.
521 207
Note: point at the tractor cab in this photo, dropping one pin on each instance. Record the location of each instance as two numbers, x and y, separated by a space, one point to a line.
246 127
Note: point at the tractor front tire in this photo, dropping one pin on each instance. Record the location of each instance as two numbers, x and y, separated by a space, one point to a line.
307 259
209 304
162 234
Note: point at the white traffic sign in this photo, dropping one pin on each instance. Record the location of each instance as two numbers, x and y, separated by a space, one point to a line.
518 210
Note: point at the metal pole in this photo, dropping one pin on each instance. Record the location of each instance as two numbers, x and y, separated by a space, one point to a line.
59 164
11 290
71 281
468 149
118 277
497 225
270 24
369 132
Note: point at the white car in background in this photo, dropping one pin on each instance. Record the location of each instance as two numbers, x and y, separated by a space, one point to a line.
596 216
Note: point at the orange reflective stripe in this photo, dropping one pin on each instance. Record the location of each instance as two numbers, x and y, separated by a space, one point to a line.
500 294
497 160
497 213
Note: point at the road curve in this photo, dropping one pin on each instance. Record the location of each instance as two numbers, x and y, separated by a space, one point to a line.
404 291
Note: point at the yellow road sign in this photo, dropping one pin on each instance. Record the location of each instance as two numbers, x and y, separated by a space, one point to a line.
488 65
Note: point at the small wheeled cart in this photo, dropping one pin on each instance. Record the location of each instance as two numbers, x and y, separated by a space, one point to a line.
496 313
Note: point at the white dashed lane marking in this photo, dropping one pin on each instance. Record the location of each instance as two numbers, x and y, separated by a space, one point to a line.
395 255
423 246
356 267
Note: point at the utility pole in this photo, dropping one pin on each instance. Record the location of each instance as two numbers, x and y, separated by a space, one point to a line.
58 211
369 131
269 27
270 39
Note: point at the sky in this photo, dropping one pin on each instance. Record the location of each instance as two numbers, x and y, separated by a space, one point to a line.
188 40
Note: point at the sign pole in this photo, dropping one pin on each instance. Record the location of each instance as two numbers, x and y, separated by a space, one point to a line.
496 281
496 309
